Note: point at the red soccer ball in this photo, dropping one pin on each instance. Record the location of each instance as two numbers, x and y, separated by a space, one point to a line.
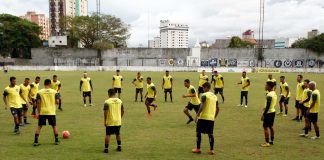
66 134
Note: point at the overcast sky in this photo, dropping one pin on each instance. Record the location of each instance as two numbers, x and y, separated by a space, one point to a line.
208 19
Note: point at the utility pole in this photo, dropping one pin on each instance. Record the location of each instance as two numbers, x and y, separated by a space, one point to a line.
260 47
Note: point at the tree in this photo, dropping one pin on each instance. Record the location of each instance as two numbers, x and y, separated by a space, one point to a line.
315 44
236 42
300 43
94 31
18 36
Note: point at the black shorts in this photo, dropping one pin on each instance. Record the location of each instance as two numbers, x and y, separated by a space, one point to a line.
218 90
42 120
87 94
297 105
205 126
303 110
118 90
33 100
16 111
139 90
168 90
191 106
57 96
149 100
200 90
24 107
244 93
268 119
113 130
313 117
283 100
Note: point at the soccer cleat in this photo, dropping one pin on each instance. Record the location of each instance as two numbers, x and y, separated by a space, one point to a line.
21 125
295 119
106 150
315 137
60 109
85 105
196 150
16 131
57 142
245 106
36 144
190 120
90 105
26 123
303 135
211 152
279 113
265 145
271 143
149 115
239 105
155 106
285 115
119 149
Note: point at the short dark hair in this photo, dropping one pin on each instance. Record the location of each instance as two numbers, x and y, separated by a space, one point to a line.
149 78
37 77
215 71
271 84
111 92
54 76
117 70
206 85
283 77
47 82
12 78
27 79
301 76
307 80
244 72
166 71
187 80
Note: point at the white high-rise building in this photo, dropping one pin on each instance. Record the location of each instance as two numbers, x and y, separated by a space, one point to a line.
172 35
59 8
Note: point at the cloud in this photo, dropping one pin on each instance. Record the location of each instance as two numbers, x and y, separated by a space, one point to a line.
208 19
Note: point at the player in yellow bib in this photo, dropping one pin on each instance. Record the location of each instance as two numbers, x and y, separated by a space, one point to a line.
117 83
269 113
46 107
25 90
285 95
139 84
33 93
271 79
203 78
218 83
12 99
206 116
56 85
150 96
194 102
113 113
314 108
167 84
304 104
86 88
245 85
298 97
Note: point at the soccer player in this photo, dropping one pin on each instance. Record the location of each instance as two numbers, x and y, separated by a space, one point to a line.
218 82
206 116
117 83
271 79
150 96
313 110
304 105
46 108
12 99
86 88
113 113
56 85
284 95
245 85
203 78
167 85
269 113
194 102
138 83
25 89
33 93
299 95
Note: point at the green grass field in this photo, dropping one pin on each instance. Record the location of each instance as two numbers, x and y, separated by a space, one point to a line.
238 131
